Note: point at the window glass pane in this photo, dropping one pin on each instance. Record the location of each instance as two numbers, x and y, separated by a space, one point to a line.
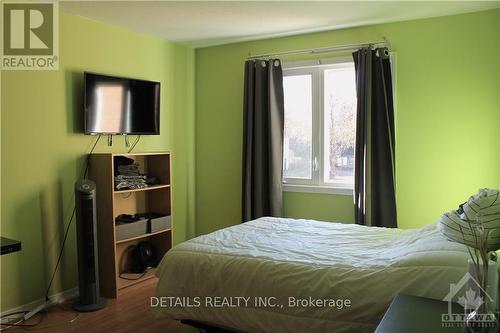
297 150
340 124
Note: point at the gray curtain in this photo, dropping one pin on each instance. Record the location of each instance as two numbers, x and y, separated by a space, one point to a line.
374 175
263 139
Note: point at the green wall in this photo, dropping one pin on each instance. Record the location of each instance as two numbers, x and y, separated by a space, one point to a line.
43 148
448 131
447 122
498 94
318 206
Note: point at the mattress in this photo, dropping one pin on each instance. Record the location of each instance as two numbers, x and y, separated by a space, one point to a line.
300 275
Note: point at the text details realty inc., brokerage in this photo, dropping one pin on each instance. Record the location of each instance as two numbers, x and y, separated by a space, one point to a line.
244 301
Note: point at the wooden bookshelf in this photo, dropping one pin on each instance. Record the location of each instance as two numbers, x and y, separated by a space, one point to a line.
142 236
113 253
149 188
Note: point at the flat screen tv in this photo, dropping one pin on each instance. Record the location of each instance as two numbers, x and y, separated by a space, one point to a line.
117 105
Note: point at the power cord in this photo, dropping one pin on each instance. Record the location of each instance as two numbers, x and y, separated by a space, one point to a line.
134 144
30 327
19 321
88 157
121 276
10 324
66 232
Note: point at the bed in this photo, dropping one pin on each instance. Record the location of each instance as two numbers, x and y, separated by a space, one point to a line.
281 260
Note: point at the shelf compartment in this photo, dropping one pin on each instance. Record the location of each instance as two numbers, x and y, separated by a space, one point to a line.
149 188
152 165
162 242
143 202
123 283
146 235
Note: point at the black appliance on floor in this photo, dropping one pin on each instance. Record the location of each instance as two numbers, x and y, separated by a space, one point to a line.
86 228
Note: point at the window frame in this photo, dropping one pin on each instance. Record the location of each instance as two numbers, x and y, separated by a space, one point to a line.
316 184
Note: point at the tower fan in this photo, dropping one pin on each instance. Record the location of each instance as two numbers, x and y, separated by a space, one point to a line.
86 232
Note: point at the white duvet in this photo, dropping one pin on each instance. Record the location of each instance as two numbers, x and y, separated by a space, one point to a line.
304 259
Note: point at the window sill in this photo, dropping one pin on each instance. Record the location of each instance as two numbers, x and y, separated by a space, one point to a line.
317 189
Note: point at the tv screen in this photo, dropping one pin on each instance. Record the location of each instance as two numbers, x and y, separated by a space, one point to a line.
116 105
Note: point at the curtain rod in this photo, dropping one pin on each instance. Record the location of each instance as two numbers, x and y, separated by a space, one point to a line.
321 50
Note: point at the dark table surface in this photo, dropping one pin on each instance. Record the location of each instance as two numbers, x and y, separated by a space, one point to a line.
9 245
411 314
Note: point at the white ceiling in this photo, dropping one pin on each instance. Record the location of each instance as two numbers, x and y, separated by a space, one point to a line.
207 23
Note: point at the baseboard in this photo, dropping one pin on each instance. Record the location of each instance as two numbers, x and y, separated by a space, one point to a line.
53 299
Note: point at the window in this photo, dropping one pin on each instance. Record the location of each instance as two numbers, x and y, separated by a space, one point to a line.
320 127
